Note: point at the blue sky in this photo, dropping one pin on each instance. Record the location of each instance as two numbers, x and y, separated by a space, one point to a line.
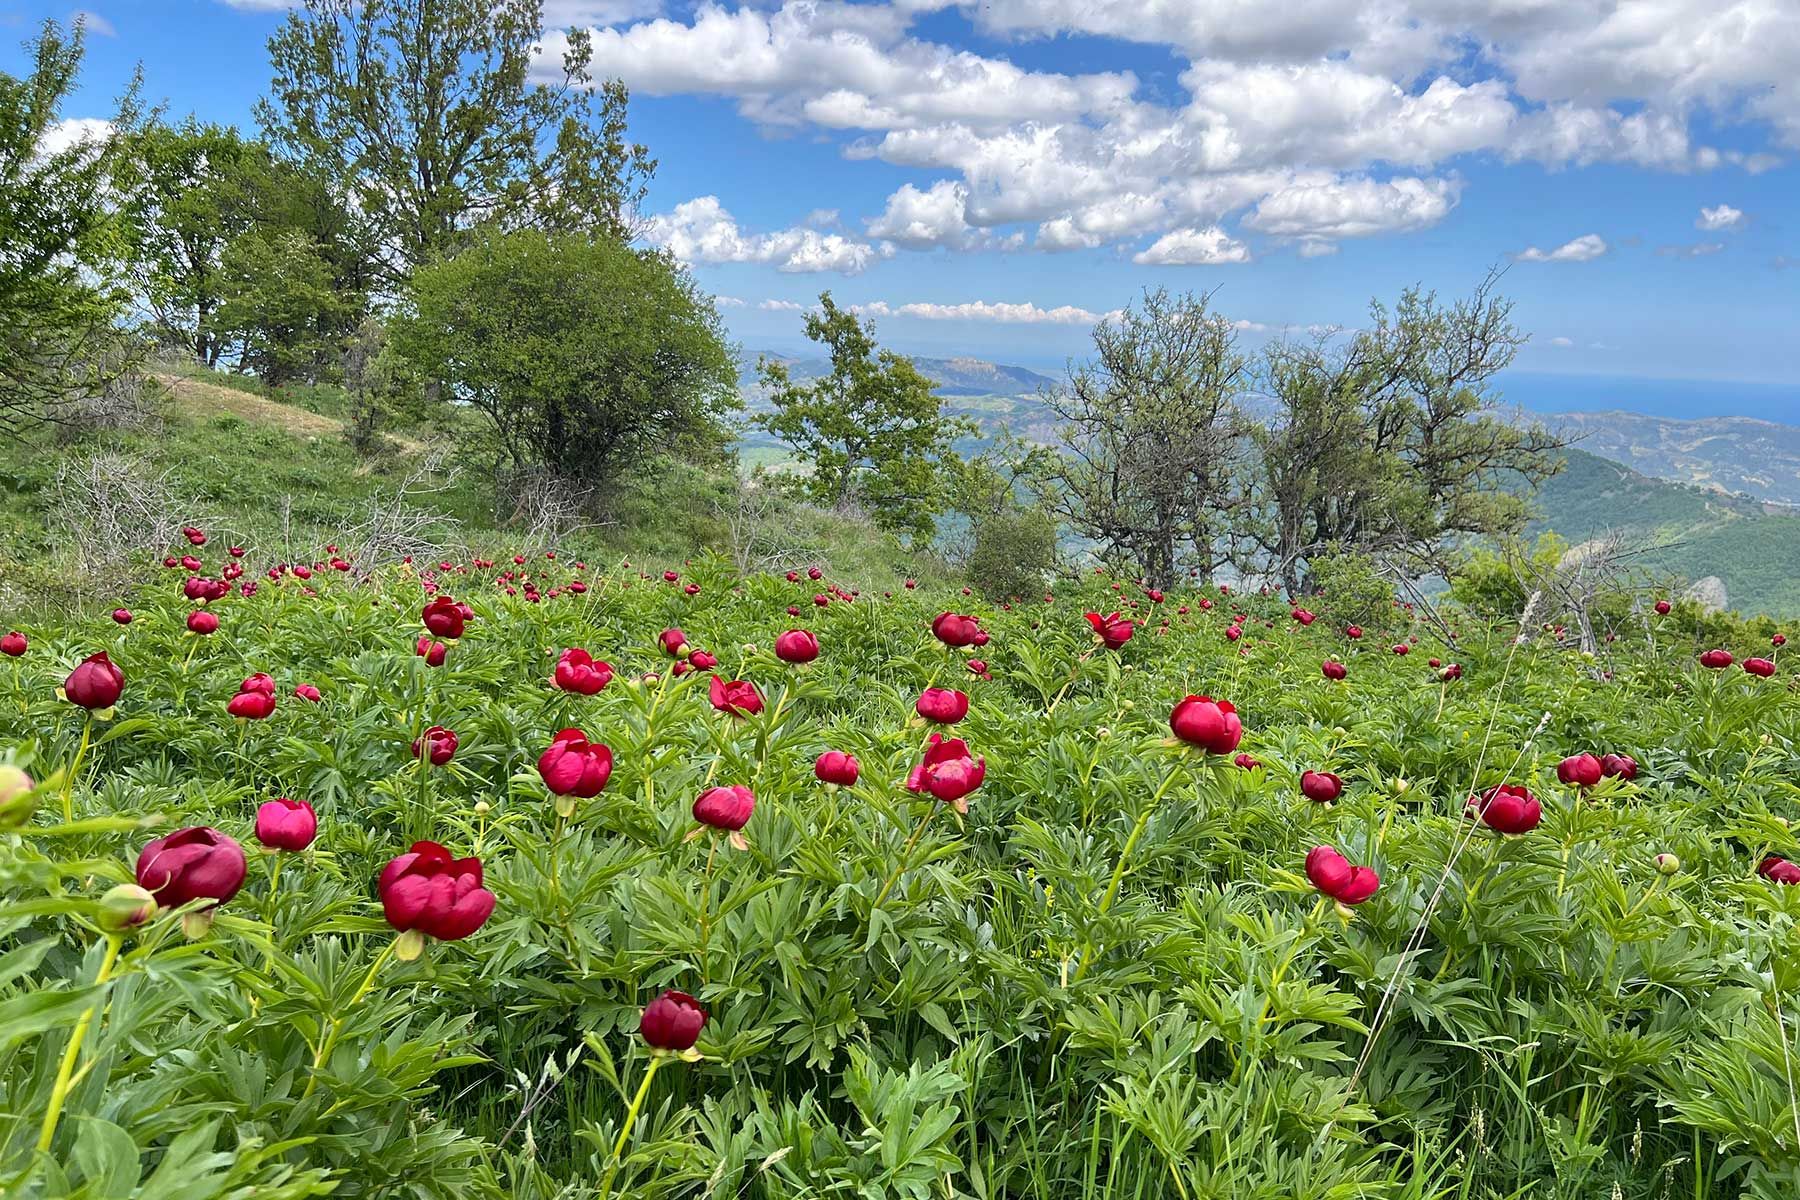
988 178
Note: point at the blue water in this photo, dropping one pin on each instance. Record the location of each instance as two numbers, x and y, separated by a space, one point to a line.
1677 398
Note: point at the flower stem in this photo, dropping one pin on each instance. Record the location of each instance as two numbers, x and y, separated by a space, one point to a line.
905 854
59 1092
1074 673
337 1023
1118 875
712 848
68 800
631 1115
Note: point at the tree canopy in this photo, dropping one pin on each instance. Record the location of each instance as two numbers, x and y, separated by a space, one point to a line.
60 285
584 354
429 109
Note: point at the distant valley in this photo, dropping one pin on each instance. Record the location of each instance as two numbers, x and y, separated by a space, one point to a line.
1713 496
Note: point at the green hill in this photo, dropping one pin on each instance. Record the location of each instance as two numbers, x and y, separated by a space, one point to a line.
1752 546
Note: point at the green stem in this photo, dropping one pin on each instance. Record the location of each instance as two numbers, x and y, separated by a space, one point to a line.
59 1092
68 800
337 1023
712 848
1074 673
631 1115
1118 875
905 854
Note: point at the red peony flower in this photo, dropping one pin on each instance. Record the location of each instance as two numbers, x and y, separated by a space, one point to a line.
95 684
1211 725
738 697
1580 770
1619 766
1112 630
13 644
440 896
1333 669
955 630
191 864
1716 660
1760 667
1321 786
672 1022
725 808
432 652
948 772
942 705
578 671
673 642
1509 808
574 766
444 618
307 692
1333 875
437 743
797 646
284 824
834 766
202 622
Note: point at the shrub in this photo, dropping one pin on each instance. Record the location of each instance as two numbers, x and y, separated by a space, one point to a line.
1013 554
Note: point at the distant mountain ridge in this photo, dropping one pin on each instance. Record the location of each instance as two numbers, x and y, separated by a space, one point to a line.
1733 454
963 376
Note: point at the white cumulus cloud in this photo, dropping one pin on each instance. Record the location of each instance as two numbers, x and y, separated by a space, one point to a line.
1585 248
997 312
702 231
1194 247
1719 218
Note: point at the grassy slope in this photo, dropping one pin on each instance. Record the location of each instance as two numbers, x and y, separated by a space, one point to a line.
1756 551
229 451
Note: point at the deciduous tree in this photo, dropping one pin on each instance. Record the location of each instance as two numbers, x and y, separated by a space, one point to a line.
429 109
1152 440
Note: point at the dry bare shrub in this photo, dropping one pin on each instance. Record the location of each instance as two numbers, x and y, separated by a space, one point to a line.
118 398
396 524
761 532
546 508
110 510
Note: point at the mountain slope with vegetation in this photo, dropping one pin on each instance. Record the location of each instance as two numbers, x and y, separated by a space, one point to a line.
1685 531
1733 454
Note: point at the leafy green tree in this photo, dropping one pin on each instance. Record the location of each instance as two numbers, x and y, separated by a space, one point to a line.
1388 441
428 109
1014 549
871 433
585 355
283 308
1151 441
61 289
186 194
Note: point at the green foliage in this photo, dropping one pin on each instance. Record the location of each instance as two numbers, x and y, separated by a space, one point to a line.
871 433
1151 440
1013 554
1110 979
60 291
1388 440
585 356
1352 589
431 113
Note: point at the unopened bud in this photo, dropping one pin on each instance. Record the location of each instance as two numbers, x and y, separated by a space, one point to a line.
482 808
1399 786
16 801
409 945
1667 864
124 907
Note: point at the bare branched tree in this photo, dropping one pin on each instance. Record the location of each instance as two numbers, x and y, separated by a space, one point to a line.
760 537
1152 440
110 510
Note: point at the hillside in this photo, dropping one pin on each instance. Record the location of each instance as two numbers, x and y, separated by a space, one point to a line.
1733 454
1752 546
